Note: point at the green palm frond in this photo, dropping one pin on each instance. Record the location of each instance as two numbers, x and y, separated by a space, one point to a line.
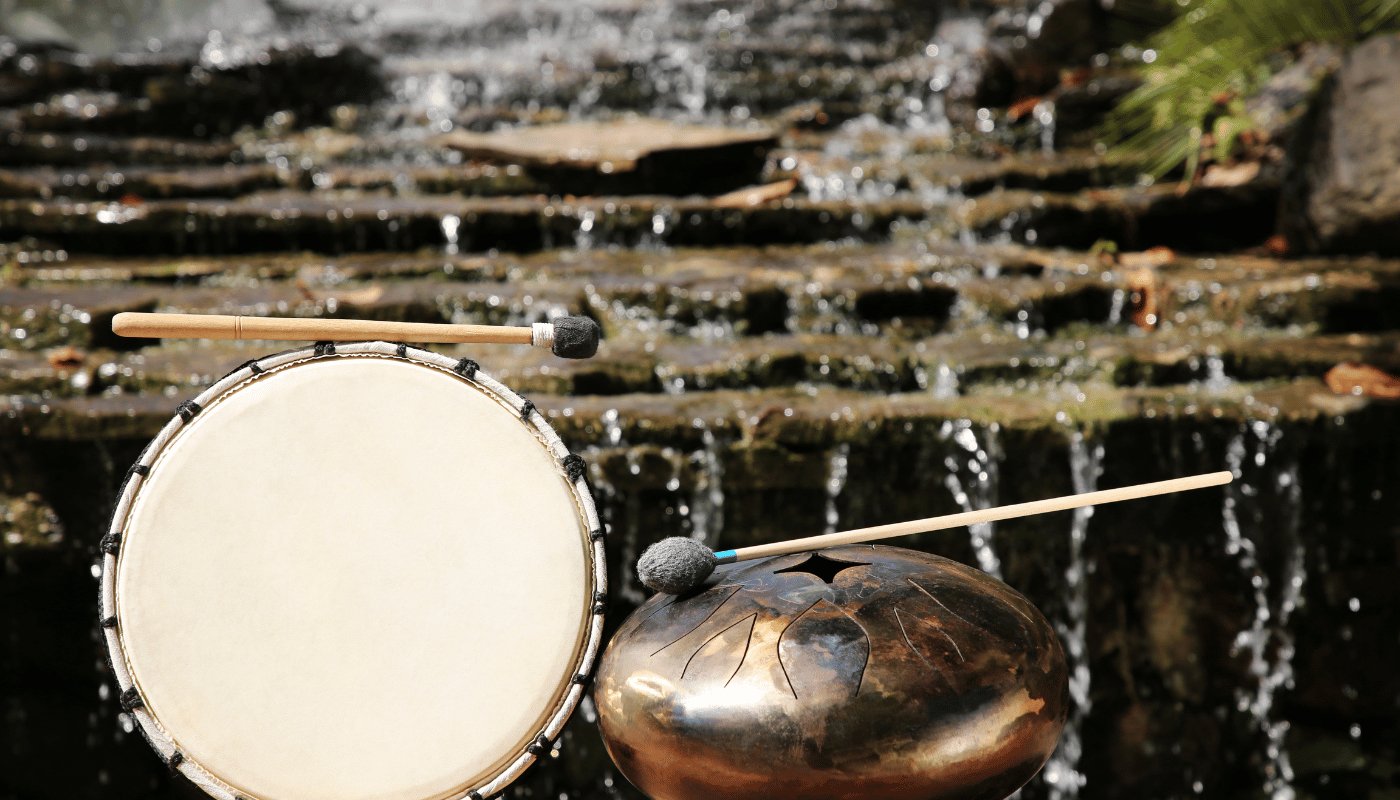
1218 50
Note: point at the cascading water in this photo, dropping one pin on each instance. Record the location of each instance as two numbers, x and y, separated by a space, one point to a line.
707 503
1264 492
836 473
1062 773
973 479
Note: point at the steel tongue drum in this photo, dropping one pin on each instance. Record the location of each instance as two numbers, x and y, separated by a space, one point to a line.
828 667
861 671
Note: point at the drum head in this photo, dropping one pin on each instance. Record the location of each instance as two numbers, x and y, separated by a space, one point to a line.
366 572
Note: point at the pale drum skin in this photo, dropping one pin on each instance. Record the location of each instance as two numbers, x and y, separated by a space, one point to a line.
905 676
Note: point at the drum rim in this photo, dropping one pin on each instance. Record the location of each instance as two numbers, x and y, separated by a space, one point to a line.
570 465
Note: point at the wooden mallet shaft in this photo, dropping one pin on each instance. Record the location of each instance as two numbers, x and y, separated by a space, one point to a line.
568 337
996 514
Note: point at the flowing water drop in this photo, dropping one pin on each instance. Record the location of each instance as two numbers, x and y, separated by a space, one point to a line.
836 474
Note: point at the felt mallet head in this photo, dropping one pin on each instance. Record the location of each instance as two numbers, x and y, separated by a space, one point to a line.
675 565
575 337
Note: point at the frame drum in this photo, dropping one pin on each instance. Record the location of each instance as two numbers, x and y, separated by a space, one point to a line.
354 572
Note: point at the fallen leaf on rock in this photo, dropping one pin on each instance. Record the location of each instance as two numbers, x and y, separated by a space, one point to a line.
360 297
1142 297
1350 377
1231 175
66 357
1022 107
1151 257
1075 77
756 195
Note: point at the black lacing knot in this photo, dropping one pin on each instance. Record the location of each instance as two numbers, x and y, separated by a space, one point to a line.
324 349
109 622
473 795
252 366
600 608
466 368
131 700
176 759
138 469
111 543
579 679
526 409
574 466
540 746
595 535
188 409
401 351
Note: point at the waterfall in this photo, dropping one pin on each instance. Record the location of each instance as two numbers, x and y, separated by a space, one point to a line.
451 224
707 504
981 468
836 484
1266 641
1062 770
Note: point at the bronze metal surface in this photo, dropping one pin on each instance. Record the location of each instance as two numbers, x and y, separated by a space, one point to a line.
857 672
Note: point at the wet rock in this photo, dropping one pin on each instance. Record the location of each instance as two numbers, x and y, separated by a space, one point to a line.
1030 45
1202 218
136 183
295 221
34 319
638 156
27 524
28 149
1347 173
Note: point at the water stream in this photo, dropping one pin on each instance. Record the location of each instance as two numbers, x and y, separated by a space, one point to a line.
1266 499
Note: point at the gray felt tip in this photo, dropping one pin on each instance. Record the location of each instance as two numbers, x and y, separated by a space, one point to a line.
675 565
575 337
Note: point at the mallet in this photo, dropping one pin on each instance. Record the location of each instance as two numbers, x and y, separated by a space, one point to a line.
566 337
677 565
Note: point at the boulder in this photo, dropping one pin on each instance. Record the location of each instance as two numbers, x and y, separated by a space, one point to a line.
629 156
1345 195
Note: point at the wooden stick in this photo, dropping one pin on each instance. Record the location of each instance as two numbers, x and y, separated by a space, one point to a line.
567 337
976 517
218 326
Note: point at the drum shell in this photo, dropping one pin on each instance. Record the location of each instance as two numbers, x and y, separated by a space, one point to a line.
910 676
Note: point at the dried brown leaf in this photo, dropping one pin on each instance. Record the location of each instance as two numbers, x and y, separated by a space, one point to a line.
1363 380
756 195
67 357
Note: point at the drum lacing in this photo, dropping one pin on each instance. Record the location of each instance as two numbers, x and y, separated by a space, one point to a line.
466 368
526 409
109 622
252 366
131 700
599 602
176 759
540 746
595 535
110 543
138 469
188 409
574 466
324 349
